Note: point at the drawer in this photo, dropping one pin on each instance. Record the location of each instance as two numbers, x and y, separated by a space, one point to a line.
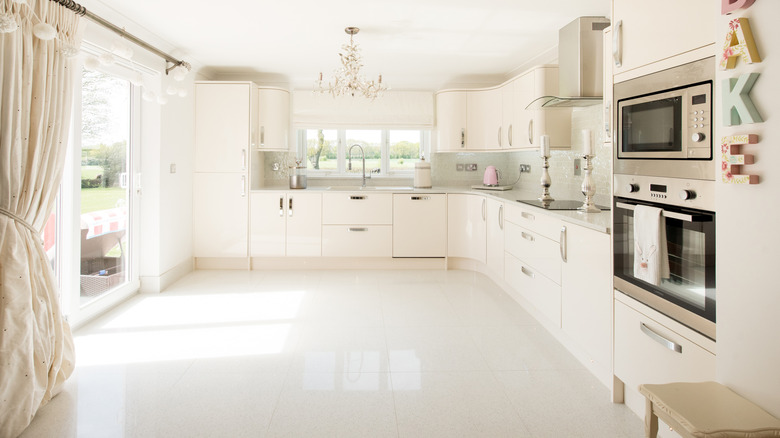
541 253
531 219
357 240
357 208
537 289
643 356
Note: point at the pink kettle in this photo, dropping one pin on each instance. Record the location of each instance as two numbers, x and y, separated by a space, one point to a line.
491 176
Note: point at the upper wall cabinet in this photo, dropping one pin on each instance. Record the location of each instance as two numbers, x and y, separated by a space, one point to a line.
273 119
496 118
451 120
225 125
660 32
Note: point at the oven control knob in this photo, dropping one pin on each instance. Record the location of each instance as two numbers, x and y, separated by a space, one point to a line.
698 137
632 188
687 195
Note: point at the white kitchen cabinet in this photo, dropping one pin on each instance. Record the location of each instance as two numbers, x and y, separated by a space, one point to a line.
607 85
273 119
357 224
220 213
651 348
495 237
286 224
508 107
466 226
537 251
586 292
484 119
529 124
541 292
357 240
225 125
651 32
451 119
419 228
353 208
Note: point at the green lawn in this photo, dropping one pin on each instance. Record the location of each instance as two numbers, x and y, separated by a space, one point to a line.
101 198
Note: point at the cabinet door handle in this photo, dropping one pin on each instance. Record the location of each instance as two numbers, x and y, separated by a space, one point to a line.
262 136
617 43
509 135
281 206
289 207
357 198
527 272
531 131
660 339
499 136
564 245
463 137
243 186
528 216
527 236
420 198
243 159
501 216
484 210
352 229
607 121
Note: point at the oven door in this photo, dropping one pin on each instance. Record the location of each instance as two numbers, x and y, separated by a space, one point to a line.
653 126
688 295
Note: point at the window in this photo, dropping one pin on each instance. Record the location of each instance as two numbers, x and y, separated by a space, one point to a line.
387 151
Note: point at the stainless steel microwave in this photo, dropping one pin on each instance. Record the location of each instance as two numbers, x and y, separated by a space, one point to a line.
664 123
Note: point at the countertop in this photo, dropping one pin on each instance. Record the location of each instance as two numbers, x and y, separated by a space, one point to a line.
601 222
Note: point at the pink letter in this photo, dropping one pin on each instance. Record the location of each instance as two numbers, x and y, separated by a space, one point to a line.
729 6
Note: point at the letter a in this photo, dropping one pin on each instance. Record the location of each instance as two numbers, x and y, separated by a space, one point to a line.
739 42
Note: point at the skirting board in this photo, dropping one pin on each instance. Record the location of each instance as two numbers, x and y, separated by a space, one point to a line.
152 284
275 263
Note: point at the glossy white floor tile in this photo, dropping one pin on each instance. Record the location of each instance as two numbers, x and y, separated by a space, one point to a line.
327 353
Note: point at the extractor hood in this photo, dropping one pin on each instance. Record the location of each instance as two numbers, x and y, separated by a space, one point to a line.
580 65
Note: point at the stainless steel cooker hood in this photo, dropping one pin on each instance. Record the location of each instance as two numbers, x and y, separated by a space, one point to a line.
580 65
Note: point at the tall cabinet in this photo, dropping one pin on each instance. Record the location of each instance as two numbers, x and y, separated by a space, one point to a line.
225 134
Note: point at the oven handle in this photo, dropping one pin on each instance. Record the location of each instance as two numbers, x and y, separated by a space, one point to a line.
669 214
660 339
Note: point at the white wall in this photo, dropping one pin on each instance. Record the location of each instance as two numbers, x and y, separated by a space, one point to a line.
747 238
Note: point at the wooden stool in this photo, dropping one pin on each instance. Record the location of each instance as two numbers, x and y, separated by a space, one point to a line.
705 410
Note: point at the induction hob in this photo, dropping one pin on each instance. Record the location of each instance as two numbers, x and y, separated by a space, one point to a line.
566 204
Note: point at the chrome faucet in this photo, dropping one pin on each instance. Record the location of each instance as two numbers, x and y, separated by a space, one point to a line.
362 156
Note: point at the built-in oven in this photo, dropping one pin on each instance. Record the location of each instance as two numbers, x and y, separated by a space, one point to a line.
663 123
687 292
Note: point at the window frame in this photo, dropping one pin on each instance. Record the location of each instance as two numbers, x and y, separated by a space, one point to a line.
341 148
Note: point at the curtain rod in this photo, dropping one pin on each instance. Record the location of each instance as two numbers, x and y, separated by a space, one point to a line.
81 10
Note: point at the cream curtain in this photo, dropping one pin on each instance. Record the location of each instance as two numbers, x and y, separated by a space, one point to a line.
37 77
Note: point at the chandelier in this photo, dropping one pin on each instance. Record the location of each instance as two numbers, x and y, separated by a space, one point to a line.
347 79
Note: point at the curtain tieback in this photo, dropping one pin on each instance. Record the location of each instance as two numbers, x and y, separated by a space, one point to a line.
18 219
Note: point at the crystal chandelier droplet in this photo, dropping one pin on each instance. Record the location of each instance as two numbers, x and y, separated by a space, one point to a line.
347 79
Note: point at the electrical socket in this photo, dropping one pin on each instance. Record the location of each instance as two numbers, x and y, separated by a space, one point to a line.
577 167
459 167
525 168
471 167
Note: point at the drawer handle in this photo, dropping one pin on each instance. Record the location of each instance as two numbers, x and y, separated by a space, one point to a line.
660 339
527 236
564 245
527 272
351 229
357 198
420 198
528 216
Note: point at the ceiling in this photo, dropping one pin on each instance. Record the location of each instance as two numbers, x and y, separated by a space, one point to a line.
414 44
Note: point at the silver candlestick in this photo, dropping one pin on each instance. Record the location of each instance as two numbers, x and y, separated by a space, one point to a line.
546 182
588 188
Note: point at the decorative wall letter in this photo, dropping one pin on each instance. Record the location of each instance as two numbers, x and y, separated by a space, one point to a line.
729 6
738 108
739 42
732 162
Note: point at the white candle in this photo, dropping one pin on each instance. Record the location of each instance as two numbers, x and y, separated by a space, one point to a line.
544 149
587 147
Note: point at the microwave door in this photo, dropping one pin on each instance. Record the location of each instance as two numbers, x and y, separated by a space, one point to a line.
651 127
